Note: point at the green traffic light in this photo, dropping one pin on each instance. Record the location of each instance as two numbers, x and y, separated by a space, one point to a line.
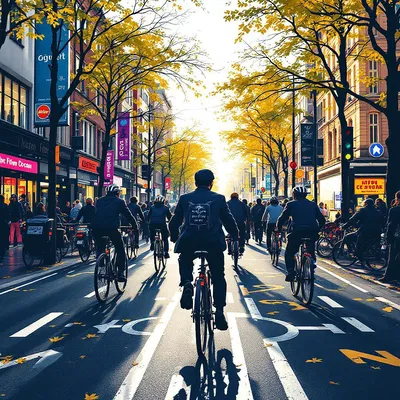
347 146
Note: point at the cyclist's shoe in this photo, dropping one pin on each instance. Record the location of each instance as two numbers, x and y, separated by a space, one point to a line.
121 276
166 255
269 250
152 247
290 277
136 246
241 250
229 251
220 320
187 294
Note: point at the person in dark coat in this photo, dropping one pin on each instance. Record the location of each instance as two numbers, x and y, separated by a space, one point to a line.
197 225
158 216
239 212
380 205
16 214
248 227
257 213
137 212
87 212
40 210
145 223
393 240
4 228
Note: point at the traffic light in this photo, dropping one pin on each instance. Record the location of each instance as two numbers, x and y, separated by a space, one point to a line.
347 145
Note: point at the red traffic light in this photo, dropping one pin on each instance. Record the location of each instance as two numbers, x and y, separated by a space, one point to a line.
293 164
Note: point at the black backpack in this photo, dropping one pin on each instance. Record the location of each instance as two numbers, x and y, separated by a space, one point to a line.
199 217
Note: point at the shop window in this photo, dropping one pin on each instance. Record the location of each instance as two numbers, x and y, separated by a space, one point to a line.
13 102
373 128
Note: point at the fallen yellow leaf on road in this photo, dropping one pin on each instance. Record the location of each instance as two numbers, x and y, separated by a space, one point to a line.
375 367
357 299
77 323
126 320
371 300
55 339
388 309
334 383
273 313
135 363
91 336
92 396
314 360
268 345
6 277
20 360
52 326
82 356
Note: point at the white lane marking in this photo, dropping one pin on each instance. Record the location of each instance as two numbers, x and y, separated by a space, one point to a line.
29 283
143 244
128 328
251 305
342 279
244 391
160 298
68 325
334 328
330 302
131 266
132 381
37 325
176 385
229 298
324 327
148 255
88 296
70 272
45 359
289 381
357 324
391 303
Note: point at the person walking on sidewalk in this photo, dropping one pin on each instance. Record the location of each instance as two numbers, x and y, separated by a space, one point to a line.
4 229
16 213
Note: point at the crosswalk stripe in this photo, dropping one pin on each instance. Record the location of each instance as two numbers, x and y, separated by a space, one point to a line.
330 302
357 324
36 325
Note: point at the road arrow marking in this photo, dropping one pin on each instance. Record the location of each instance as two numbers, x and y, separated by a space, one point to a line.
46 358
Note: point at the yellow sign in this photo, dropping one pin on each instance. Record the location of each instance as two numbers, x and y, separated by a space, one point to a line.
369 185
57 154
300 173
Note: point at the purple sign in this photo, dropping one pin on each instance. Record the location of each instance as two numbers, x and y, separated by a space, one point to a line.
109 167
124 139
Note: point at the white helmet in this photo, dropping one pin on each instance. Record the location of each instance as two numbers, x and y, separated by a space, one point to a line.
113 189
300 190
159 199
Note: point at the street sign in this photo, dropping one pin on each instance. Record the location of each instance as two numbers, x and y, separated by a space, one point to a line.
293 164
307 145
263 189
300 173
376 150
369 186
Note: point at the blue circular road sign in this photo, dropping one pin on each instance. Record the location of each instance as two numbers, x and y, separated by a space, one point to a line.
376 150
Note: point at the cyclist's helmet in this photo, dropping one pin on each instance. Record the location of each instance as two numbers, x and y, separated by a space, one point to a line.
234 195
159 199
113 189
299 191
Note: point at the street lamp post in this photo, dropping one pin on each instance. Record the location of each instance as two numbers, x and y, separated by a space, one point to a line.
315 129
293 134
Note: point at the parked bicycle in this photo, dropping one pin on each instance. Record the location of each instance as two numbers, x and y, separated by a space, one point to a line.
106 272
159 253
304 270
330 234
203 315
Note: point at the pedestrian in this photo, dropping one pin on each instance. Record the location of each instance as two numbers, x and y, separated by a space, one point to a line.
393 240
66 208
87 212
27 212
380 205
256 215
73 215
323 210
16 213
40 210
4 228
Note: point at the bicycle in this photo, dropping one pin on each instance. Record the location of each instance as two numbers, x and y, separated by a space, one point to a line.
304 273
233 246
159 253
276 245
330 234
84 242
374 255
202 314
106 272
129 239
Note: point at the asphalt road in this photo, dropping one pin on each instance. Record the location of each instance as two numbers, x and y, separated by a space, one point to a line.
57 342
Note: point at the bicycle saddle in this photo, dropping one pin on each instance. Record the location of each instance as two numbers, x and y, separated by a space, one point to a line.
201 253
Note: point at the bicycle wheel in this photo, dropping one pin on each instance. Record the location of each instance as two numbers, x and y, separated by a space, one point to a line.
101 278
155 255
275 259
200 319
161 257
324 247
235 254
375 258
84 252
65 245
344 254
135 251
295 284
27 257
307 280
59 254
120 286
129 246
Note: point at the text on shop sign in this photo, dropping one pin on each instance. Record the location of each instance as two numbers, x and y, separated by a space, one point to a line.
18 164
369 186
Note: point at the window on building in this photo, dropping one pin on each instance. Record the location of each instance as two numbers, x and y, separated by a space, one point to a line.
13 101
14 15
373 128
373 74
329 145
334 144
89 141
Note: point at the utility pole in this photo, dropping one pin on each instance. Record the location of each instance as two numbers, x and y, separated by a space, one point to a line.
293 134
315 129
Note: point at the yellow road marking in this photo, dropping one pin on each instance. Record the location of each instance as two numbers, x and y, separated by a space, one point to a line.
384 358
79 273
265 288
297 307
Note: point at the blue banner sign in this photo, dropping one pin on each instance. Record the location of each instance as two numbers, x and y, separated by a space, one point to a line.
43 58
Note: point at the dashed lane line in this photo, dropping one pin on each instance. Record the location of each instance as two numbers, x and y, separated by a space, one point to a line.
175 388
330 302
229 298
27 284
132 381
343 279
357 324
36 325
391 303
131 266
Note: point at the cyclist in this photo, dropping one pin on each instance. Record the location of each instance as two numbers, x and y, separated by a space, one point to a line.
239 212
158 215
257 212
248 227
137 213
106 222
370 222
87 212
202 214
306 221
271 215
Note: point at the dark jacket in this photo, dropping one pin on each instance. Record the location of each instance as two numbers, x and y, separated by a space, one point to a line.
188 239
159 214
15 210
4 214
305 215
257 212
238 210
87 213
136 211
108 211
393 224
369 219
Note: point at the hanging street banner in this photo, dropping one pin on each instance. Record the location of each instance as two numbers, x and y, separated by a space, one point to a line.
167 183
109 167
307 145
267 182
42 74
123 139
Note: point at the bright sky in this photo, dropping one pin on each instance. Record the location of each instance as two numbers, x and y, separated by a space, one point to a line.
217 39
